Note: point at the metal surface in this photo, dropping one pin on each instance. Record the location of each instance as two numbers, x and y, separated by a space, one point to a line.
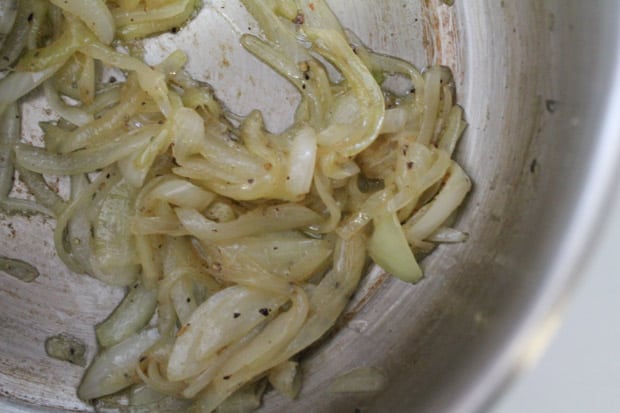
540 83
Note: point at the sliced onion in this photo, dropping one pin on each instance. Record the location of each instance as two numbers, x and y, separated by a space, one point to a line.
274 337
73 114
44 195
95 15
151 81
131 315
58 51
302 159
177 17
289 255
17 35
424 222
10 130
114 369
261 220
8 12
17 84
124 17
388 248
223 318
114 258
327 302
369 97
88 160
395 120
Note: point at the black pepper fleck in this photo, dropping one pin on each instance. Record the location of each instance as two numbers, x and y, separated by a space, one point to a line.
264 311
236 315
299 19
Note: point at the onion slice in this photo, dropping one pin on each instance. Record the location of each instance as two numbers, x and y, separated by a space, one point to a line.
94 13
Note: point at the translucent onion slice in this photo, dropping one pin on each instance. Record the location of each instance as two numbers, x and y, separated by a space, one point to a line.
114 369
18 84
260 220
131 315
100 185
326 302
178 192
388 248
40 160
10 130
73 114
234 266
151 81
199 382
113 248
17 30
428 219
8 12
95 15
276 30
140 23
301 163
290 255
41 191
225 317
317 14
141 15
274 337
352 139
59 50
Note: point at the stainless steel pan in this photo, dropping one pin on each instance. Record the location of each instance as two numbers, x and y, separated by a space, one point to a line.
540 83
